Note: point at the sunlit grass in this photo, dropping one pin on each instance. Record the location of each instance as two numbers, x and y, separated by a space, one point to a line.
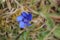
45 22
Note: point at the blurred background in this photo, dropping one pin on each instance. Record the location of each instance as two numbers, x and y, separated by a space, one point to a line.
45 22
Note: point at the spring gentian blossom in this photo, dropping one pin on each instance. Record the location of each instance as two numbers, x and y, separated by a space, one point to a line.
24 19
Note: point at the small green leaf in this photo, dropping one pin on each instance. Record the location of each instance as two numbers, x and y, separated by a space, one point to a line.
42 35
57 32
49 22
25 34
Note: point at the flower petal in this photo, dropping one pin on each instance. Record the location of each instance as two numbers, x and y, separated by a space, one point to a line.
30 17
24 14
28 24
26 20
22 24
19 18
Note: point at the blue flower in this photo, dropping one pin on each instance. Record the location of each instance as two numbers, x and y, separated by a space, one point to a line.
24 19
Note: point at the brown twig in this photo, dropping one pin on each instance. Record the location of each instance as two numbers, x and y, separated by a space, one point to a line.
39 27
56 17
8 4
